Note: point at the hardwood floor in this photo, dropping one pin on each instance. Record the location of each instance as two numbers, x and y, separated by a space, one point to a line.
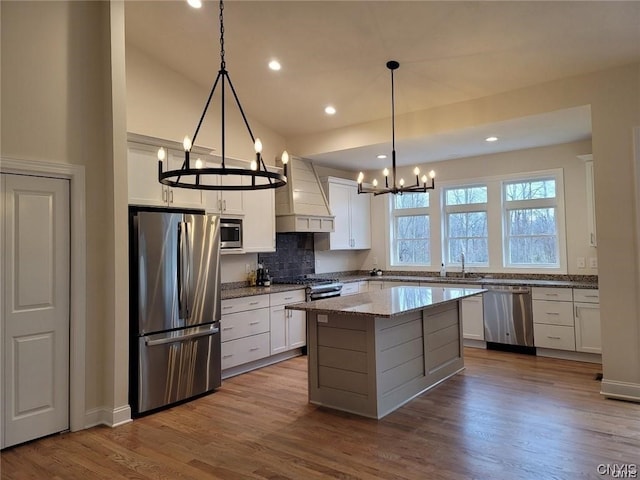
506 416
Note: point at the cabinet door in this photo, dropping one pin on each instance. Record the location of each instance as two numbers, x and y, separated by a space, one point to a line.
144 187
339 197
472 318
360 216
259 226
181 197
278 330
588 328
232 200
297 328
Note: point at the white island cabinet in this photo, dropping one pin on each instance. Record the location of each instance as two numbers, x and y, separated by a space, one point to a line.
372 352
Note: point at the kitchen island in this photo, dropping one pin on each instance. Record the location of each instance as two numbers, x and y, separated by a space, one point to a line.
372 352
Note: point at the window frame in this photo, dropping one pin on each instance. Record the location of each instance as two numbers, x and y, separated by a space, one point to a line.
394 214
446 210
556 202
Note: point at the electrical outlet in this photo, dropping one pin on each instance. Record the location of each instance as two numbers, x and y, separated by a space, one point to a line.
581 262
375 262
593 262
247 268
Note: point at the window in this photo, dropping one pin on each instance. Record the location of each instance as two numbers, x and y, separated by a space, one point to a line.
465 215
411 229
530 219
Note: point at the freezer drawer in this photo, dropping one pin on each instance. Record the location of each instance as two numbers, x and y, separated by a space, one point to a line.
177 365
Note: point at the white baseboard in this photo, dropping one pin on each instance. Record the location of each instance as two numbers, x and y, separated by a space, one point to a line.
106 416
470 342
569 355
263 362
620 390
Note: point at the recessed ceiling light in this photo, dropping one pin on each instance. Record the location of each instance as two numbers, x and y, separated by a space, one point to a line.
491 139
195 3
275 65
381 156
329 110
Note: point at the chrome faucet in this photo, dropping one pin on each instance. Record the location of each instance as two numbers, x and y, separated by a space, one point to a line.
464 273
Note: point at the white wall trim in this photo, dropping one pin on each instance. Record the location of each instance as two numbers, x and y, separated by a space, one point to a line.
77 340
106 416
621 390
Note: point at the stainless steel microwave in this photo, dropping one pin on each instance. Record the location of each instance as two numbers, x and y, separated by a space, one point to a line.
231 233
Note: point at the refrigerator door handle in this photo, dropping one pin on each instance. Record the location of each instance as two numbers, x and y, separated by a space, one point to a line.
183 271
164 341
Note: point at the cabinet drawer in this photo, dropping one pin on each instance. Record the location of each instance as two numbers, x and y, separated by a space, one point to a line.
243 324
233 305
586 295
554 336
557 294
350 289
391 284
286 298
553 313
363 287
244 350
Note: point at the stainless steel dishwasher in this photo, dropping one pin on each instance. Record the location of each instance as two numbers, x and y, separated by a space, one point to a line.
508 315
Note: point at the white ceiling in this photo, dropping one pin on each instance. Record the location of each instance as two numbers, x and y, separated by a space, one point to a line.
334 52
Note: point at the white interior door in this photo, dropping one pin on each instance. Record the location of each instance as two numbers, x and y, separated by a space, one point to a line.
35 307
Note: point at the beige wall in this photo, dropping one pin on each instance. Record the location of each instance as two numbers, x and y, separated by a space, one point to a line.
162 103
56 107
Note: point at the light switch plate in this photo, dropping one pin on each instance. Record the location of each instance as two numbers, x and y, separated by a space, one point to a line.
593 262
581 262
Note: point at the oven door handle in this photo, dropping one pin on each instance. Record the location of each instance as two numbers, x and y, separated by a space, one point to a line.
331 293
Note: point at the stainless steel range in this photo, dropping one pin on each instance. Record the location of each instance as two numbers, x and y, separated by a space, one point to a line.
316 288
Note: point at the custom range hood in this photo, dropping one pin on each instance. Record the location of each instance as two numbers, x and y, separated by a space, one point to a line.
301 205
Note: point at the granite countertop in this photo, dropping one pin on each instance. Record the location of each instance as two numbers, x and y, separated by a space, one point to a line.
480 281
389 302
228 293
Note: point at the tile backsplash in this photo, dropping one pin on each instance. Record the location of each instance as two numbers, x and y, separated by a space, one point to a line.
294 256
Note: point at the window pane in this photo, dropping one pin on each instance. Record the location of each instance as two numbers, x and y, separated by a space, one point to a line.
471 224
413 252
412 200
532 221
412 240
533 236
467 195
467 233
530 190
533 250
412 227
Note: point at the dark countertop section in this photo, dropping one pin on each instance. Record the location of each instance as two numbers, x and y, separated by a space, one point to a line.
231 291
480 281
388 303
228 293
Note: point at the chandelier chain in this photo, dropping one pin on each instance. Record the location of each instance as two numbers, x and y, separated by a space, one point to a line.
222 61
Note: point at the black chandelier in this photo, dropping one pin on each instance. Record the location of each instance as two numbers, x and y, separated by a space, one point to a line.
421 184
189 176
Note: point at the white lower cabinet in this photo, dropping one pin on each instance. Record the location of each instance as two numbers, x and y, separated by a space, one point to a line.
288 327
587 321
245 332
472 318
350 288
553 318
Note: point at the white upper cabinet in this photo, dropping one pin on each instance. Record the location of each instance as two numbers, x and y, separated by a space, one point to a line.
259 226
224 202
352 216
144 187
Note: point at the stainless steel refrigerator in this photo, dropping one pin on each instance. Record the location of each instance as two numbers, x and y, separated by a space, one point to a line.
174 306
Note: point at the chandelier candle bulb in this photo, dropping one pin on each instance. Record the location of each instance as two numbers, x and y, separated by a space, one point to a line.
161 154
424 180
401 182
198 163
375 182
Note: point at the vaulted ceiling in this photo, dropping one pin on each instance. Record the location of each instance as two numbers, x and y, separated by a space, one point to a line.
334 52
